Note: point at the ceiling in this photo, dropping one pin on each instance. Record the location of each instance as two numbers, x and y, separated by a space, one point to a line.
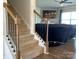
53 3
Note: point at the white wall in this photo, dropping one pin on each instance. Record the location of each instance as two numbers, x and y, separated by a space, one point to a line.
25 9
32 22
5 21
6 51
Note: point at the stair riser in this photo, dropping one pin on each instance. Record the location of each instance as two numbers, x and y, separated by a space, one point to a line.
26 36
22 41
23 30
33 54
25 40
28 45
28 48
22 33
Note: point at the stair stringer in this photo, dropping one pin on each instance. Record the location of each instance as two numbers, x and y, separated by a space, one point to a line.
41 41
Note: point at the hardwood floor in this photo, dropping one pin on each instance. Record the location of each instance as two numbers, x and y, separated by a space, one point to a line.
66 51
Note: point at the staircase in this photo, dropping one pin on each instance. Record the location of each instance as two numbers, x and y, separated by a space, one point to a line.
26 46
29 47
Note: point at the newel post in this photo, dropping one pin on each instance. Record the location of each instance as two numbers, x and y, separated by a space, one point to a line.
47 42
17 38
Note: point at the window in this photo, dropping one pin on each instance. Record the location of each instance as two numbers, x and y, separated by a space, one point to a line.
68 18
73 18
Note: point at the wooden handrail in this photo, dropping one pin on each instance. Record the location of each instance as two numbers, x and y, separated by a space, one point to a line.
37 13
5 5
42 18
17 37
